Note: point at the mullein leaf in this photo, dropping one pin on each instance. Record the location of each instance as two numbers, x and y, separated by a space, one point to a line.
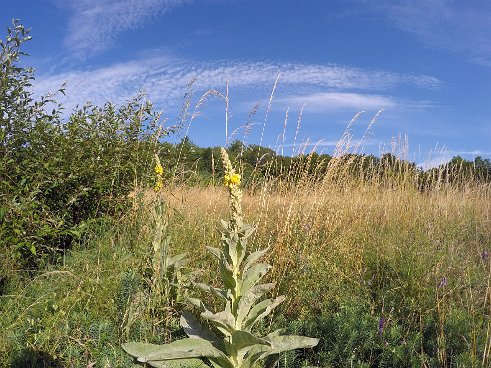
232 248
227 274
241 251
193 328
261 310
137 349
182 349
280 344
253 275
243 341
246 231
178 260
223 320
236 251
229 250
247 301
178 363
222 294
253 257
215 251
197 303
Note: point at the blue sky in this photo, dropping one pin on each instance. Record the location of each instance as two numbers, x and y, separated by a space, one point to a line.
426 63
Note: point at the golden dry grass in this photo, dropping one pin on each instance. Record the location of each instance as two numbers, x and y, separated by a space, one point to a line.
337 230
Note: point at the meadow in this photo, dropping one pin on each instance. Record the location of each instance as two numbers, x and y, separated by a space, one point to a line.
387 265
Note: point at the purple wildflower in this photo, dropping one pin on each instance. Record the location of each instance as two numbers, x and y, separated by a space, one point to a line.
485 255
381 325
443 282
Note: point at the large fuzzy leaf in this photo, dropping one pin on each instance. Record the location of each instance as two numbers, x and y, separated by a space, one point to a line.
253 276
247 301
179 363
222 294
191 348
280 344
227 274
178 261
215 251
224 320
241 248
246 231
261 310
243 341
182 349
228 247
137 349
195 330
236 250
197 303
253 257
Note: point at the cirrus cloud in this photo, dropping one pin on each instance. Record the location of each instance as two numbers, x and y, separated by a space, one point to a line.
95 24
165 79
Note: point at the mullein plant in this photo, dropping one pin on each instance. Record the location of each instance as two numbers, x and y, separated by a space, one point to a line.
242 295
159 172
166 269
167 279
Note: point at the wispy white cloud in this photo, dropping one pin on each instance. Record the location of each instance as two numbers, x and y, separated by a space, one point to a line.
435 161
316 145
165 79
339 100
438 158
94 24
322 143
474 153
459 26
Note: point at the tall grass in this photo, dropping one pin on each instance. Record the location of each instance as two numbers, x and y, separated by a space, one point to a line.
416 258
382 272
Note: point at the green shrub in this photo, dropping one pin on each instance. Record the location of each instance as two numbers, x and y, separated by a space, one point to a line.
58 173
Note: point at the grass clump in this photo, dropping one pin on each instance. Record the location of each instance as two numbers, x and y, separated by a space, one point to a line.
108 290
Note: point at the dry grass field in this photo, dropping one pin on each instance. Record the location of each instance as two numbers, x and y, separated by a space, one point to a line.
383 273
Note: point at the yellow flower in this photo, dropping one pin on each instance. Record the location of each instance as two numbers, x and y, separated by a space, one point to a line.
159 170
229 180
235 179
158 185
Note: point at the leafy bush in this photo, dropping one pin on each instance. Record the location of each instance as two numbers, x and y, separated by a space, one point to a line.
62 173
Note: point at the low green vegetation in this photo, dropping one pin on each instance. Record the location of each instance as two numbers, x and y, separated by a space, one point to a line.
104 228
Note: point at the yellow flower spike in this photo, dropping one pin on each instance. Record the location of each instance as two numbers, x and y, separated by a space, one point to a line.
232 180
158 185
159 170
